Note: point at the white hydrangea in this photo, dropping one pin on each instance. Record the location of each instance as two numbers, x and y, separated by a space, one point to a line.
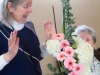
53 47
87 70
85 54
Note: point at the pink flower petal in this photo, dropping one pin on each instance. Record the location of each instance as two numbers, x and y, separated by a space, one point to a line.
61 56
58 36
72 73
69 52
64 44
78 69
69 63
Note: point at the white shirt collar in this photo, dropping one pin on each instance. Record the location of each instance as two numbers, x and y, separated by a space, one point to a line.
17 26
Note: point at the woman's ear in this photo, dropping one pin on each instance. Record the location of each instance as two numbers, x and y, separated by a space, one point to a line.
10 7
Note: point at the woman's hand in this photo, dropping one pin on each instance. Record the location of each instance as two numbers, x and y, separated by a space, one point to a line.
49 30
13 45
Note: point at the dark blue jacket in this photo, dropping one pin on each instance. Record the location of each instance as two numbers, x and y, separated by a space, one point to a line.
22 64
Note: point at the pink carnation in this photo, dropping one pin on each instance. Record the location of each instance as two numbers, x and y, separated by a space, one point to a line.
69 52
61 56
78 69
58 36
69 63
64 44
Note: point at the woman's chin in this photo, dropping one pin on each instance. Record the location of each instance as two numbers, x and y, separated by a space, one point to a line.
23 21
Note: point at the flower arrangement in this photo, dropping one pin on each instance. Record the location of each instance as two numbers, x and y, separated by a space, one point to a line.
73 54
72 61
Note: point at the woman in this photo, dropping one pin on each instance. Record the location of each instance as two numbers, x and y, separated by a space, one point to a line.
89 35
19 44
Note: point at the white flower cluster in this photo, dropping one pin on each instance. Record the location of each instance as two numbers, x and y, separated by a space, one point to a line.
85 54
53 47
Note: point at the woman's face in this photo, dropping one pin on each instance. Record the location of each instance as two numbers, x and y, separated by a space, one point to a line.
87 38
21 11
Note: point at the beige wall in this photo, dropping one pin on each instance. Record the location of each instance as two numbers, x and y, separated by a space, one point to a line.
85 11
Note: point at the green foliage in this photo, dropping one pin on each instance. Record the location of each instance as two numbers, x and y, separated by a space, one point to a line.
51 68
75 56
68 20
61 71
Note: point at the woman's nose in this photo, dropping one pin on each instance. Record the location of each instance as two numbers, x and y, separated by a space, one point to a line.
29 9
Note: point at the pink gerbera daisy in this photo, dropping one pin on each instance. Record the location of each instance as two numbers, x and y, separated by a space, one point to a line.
64 44
58 36
61 56
69 63
78 69
69 52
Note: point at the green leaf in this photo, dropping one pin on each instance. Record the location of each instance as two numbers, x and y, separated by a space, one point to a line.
53 69
76 57
49 66
70 8
74 46
70 14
